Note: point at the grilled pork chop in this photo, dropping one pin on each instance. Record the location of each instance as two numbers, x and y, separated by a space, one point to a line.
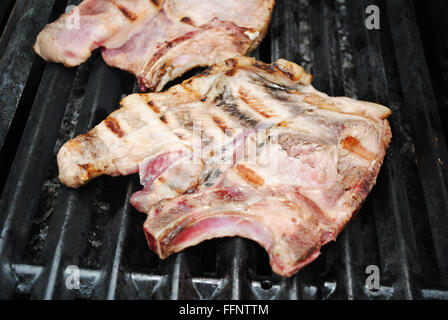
157 40
244 149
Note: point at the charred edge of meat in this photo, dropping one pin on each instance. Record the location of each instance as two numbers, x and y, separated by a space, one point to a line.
295 72
225 101
269 68
89 171
126 12
289 74
274 67
114 126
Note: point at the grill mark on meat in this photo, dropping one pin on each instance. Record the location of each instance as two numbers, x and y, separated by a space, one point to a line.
163 119
222 125
153 106
354 145
243 118
114 126
126 12
224 100
255 104
249 175
156 2
187 20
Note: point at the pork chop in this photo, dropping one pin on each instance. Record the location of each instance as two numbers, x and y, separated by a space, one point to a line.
244 149
157 40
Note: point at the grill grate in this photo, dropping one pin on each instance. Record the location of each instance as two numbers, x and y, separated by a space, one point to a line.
46 227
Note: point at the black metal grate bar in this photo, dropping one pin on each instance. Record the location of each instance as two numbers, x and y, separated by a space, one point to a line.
16 57
395 214
424 119
19 199
45 227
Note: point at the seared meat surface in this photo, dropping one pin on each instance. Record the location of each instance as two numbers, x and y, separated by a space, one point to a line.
157 40
244 149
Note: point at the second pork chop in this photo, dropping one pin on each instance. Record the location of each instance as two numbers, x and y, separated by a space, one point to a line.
157 40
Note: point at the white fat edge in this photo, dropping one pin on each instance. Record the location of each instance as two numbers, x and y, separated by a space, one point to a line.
252 35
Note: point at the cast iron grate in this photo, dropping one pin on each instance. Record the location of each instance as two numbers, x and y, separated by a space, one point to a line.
45 228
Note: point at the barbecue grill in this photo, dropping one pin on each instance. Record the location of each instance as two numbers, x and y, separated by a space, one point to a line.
46 229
